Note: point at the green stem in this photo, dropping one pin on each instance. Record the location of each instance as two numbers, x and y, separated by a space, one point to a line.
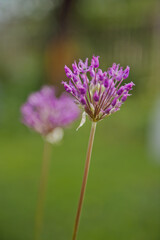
84 182
42 190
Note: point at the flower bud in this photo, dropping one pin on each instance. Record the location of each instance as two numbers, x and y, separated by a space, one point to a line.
108 110
106 82
95 62
75 68
68 72
126 72
82 90
129 86
114 102
96 96
120 91
67 87
124 98
83 101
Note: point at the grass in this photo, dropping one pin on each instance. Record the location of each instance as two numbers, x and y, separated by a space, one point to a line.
122 197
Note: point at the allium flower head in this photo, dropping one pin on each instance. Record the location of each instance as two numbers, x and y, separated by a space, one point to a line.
47 114
98 93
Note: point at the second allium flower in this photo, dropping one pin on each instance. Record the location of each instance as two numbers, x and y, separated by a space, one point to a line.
99 93
47 114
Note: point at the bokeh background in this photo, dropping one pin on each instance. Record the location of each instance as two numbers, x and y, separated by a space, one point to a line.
122 202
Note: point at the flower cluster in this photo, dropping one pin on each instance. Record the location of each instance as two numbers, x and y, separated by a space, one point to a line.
43 112
99 93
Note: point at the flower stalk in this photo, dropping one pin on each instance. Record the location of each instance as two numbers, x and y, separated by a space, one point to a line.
42 189
84 182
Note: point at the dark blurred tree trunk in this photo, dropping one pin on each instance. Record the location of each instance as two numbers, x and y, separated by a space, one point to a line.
62 48
66 9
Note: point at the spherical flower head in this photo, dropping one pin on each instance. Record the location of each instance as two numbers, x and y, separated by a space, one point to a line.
98 93
47 114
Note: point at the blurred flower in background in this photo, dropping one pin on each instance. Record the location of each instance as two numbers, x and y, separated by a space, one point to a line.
47 115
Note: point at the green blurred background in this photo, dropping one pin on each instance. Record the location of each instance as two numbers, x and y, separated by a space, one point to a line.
122 202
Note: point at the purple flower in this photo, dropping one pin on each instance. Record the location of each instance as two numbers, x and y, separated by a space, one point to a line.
83 66
68 72
104 93
75 68
43 112
83 101
95 62
96 96
126 72
101 75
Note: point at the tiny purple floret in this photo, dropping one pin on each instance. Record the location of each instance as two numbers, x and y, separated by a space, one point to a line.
95 62
96 96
